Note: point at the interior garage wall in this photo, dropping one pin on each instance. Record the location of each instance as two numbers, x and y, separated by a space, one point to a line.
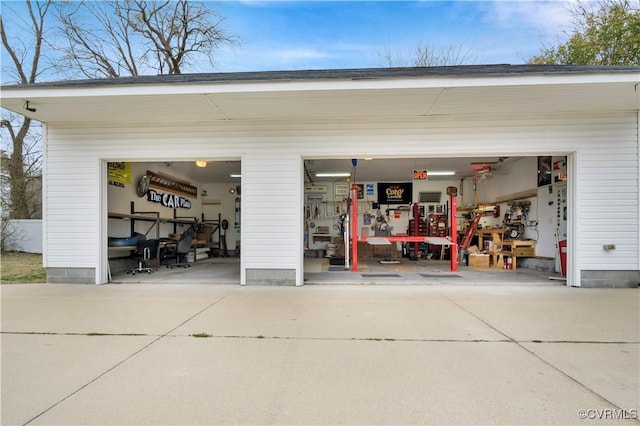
120 198
606 148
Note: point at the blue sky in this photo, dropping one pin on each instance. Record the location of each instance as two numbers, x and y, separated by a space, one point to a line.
340 34
290 35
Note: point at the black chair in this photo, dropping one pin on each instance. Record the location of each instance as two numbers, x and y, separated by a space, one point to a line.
146 250
180 250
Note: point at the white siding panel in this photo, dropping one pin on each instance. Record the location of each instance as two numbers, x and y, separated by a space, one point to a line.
272 208
606 194
607 197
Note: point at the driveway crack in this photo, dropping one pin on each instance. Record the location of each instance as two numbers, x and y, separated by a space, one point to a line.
119 363
520 344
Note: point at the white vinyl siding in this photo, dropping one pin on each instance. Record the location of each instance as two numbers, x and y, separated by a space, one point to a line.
272 218
607 196
607 173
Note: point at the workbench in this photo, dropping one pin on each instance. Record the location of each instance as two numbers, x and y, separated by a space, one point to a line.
501 248
518 248
495 246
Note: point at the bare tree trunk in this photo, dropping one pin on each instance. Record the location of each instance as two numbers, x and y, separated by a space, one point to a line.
19 199
26 71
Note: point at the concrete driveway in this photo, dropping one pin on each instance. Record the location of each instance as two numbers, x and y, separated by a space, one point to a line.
384 354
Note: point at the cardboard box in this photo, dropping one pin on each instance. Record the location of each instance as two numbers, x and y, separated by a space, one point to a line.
204 233
479 260
365 251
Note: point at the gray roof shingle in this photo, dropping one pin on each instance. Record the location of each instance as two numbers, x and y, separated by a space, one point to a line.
337 74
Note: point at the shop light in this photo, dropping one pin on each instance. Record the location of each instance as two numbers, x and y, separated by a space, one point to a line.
235 175
339 174
440 173
201 163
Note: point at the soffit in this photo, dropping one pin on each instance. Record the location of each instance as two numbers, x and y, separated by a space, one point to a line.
326 102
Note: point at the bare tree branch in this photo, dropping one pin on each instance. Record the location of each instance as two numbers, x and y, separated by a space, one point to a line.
115 38
425 56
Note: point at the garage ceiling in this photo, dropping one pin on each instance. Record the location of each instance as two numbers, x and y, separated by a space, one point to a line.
375 170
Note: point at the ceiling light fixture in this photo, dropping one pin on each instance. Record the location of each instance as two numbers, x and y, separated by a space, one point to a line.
235 175
442 173
201 163
338 174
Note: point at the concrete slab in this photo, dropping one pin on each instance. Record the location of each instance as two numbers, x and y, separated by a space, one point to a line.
384 354
379 312
555 313
111 309
184 380
605 368
38 371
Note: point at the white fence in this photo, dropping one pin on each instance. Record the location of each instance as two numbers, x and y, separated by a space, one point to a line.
23 235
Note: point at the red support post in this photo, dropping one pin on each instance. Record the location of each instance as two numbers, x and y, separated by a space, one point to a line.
453 252
354 228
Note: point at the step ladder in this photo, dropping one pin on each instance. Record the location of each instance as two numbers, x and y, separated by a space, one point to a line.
471 231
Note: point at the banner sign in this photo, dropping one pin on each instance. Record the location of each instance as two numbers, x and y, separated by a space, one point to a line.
172 201
119 173
395 193
169 183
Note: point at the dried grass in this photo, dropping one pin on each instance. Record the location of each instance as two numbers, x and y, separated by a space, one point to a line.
19 268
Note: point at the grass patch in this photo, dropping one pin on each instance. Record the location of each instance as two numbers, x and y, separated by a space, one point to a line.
18 268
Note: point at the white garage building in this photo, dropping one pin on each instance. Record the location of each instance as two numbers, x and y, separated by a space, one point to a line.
270 123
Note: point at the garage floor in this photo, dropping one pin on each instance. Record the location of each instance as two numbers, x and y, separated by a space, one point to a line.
318 271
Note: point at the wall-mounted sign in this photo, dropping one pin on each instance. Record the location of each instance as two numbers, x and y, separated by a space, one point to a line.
172 201
169 183
420 175
360 188
313 189
341 190
119 173
395 193
370 189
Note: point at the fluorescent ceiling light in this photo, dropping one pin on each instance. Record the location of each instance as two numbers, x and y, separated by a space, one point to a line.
235 175
442 173
339 174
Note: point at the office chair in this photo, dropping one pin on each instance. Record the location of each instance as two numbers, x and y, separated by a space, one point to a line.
181 249
145 250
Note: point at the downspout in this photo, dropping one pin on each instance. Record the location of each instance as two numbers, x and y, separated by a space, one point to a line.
43 195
